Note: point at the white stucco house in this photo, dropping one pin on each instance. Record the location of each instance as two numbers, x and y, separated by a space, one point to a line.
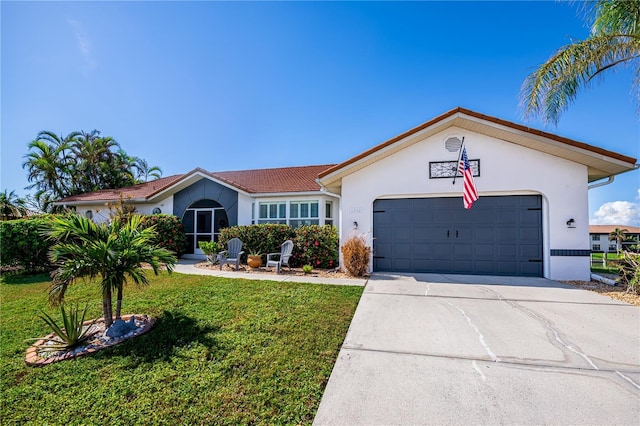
531 218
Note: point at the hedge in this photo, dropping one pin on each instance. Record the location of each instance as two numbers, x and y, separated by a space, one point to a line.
23 245
314 245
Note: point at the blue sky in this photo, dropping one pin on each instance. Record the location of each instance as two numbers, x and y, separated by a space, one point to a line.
231 86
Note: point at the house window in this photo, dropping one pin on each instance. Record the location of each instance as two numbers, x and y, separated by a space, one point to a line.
272 213
328 213
613 247
595 237
596 247
303 213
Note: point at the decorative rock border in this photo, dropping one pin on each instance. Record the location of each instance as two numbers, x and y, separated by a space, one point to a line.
33 359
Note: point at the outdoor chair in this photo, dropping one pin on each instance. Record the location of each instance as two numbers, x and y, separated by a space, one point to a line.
232 254
280 259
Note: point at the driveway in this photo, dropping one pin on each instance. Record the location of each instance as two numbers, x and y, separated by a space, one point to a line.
455 349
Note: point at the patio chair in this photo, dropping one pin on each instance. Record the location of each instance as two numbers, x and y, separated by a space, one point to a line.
281 259
232 254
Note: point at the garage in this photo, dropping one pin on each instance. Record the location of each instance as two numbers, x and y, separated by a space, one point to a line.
499 235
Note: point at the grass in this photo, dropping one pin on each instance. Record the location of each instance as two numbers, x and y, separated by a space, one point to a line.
598 267
223 351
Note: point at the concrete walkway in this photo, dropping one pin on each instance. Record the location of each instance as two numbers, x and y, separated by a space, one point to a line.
187 266
447 349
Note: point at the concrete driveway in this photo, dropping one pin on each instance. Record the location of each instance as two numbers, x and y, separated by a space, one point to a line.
454 349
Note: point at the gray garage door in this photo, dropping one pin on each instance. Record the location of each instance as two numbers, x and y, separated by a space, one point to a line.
497 236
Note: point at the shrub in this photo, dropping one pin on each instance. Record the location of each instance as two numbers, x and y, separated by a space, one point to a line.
315 245
22 244
630 271
307 269
210 249
355 255
170 232
262 239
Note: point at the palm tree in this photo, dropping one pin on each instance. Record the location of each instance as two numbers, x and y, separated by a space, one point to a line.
113 253
49 166
618 235
11 206
144 171
614 42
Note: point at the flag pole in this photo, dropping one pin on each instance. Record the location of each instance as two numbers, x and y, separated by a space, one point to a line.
455 174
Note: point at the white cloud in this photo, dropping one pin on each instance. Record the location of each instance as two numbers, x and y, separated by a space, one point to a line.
618 213
84 43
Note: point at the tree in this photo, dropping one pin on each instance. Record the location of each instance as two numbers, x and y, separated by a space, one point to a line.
11 206
113 253
614 43
78 163
618 235
144 171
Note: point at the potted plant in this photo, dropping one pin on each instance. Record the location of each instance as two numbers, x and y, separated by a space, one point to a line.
254 259
210 249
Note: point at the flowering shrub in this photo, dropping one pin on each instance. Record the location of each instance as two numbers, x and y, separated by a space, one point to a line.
259 239
314 245
170 232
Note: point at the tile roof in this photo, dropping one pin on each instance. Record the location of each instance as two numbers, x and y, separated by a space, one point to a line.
259 181
606 229
139 191
285 179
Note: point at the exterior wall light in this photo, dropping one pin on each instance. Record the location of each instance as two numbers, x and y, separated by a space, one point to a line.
355 225
571 223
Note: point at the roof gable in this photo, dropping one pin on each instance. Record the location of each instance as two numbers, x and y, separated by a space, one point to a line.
600 162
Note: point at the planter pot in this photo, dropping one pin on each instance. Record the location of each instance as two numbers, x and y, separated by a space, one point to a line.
254 261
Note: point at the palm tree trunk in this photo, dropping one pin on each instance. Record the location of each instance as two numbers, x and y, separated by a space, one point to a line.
119 303
107 311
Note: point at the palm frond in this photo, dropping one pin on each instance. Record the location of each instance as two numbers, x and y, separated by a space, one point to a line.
551 88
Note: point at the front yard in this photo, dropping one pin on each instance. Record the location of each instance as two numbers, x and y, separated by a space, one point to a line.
223 351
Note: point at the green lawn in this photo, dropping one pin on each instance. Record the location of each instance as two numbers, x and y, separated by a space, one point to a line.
222 352
598 267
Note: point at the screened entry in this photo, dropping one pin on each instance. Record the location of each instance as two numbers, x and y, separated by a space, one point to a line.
203 221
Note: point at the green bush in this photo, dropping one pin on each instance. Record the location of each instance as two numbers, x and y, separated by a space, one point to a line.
262 239
171 233
314 245
23 245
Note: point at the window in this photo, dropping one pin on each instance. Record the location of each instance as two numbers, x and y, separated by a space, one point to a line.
272 213
595 237
596 247
613 247
328 213
303 213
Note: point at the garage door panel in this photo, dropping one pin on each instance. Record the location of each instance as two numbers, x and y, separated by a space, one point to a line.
499 235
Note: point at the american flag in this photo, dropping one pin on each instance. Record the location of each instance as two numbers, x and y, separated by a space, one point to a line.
469 190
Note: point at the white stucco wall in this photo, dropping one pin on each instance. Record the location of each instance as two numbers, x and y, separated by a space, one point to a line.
505 169
102 213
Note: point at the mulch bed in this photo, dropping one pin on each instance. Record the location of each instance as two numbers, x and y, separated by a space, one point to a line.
617 292
323 273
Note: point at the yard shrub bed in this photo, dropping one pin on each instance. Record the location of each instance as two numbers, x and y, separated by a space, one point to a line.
313 245
223 351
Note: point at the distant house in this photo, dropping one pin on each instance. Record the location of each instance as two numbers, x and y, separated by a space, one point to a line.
531 219
599 237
